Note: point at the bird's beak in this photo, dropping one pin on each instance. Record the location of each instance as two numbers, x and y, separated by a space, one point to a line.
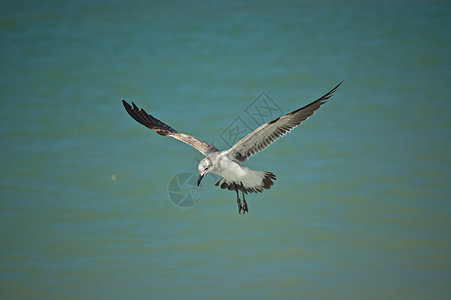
200 179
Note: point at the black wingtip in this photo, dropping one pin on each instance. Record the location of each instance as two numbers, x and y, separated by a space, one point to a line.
128 108
330 93
126 105
336 87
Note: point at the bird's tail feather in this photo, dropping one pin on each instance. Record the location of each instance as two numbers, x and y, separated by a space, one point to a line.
256 182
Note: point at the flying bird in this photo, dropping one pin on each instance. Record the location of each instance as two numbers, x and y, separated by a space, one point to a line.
228 163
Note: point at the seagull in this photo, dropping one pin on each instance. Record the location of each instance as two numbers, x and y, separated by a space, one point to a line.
228 163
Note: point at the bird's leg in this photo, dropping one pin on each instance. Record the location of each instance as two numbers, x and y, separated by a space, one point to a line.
240 206
245 210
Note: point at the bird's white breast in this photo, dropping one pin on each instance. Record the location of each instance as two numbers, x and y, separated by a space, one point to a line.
230 169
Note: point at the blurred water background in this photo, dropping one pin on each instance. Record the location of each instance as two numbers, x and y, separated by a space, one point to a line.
361 207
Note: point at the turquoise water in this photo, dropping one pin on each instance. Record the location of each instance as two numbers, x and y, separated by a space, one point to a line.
361 207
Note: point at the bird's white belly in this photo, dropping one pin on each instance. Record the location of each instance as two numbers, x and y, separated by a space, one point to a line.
234 172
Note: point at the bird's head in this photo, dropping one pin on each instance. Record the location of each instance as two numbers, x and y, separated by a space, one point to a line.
205 166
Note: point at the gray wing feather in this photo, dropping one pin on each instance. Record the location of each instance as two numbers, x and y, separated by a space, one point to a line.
266 134
161 128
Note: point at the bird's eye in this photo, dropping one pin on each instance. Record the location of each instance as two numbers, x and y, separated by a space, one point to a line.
206 168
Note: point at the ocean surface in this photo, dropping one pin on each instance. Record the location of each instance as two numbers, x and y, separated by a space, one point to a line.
94 205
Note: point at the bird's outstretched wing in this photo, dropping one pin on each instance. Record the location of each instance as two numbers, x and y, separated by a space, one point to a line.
159 127
266 134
